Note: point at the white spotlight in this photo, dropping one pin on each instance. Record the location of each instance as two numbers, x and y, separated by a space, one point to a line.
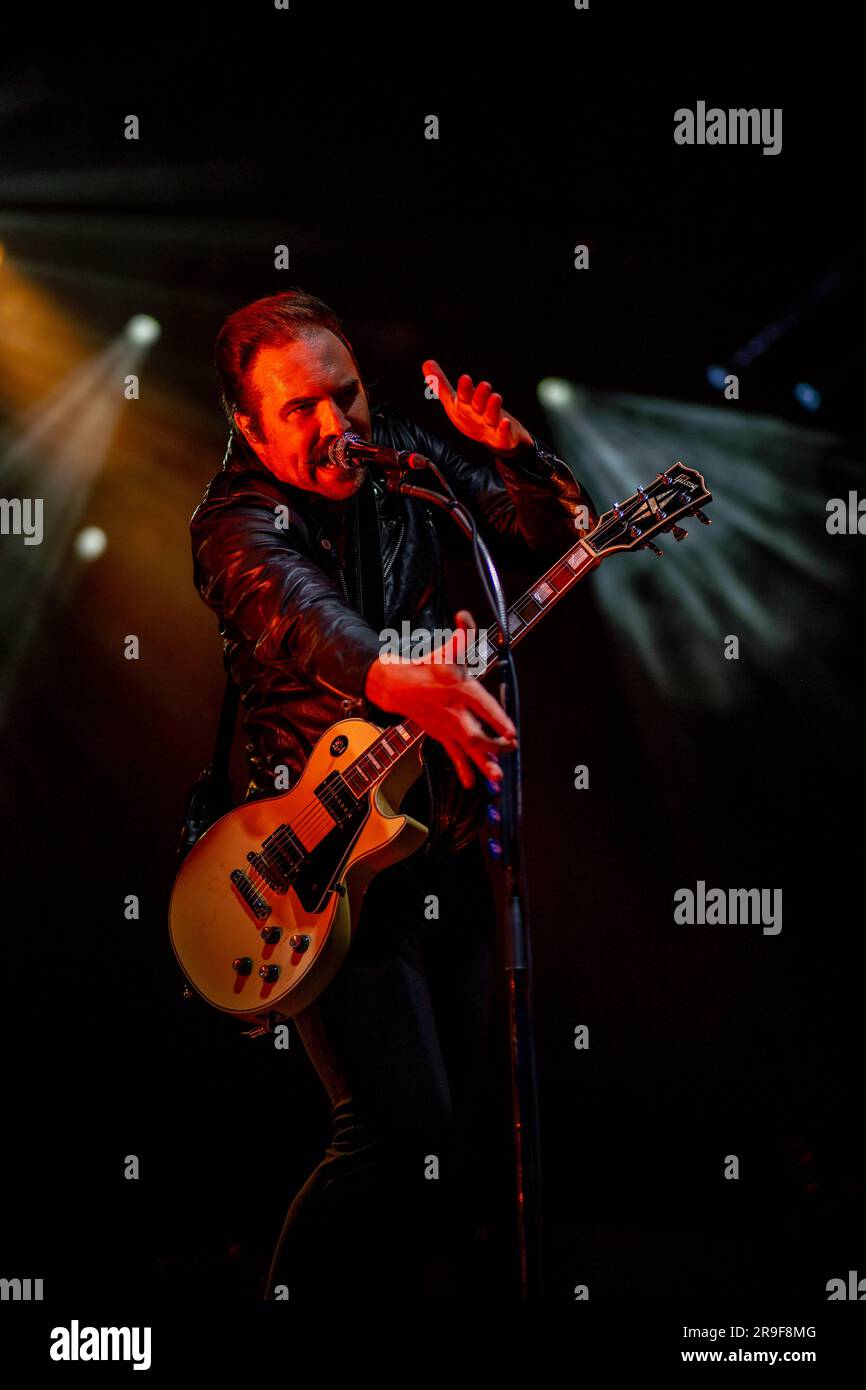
143 329
91 543
555 393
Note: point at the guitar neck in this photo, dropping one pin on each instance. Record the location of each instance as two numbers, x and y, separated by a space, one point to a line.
481 658
531 607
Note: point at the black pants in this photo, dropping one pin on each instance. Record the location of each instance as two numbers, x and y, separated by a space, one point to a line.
396 1038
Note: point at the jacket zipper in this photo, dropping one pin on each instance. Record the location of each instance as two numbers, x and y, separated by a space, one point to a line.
348 702
389 564
438 591
358 557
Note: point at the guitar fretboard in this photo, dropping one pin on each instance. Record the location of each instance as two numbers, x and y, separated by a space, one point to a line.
380 757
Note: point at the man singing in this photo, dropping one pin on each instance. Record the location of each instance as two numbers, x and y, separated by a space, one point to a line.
397 1035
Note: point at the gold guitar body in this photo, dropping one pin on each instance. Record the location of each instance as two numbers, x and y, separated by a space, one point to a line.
222 908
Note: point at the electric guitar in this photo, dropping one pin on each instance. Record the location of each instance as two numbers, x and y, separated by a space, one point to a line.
263 908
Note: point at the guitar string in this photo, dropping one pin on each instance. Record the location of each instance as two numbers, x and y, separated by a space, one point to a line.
309 815
315 816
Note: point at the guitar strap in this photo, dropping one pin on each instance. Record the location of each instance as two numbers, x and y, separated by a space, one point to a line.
211 796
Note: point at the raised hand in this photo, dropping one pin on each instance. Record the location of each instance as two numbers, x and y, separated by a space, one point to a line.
476 411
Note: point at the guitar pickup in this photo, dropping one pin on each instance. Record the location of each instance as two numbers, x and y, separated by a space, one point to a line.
259 907
282 853
339 802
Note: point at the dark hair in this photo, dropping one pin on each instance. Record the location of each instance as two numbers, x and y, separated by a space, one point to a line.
270 322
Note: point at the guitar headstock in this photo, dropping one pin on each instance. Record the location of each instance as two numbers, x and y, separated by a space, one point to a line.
678 493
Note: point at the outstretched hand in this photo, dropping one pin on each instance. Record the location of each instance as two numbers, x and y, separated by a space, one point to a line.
438 693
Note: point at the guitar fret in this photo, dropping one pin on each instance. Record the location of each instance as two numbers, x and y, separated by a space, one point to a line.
560 577
529 609
389 739
542 593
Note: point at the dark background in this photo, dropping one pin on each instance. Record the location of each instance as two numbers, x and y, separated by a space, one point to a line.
704 1041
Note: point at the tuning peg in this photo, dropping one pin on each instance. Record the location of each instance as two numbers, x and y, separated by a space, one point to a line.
649 545
679 533
705 520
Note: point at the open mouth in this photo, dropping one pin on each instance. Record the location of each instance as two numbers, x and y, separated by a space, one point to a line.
327 466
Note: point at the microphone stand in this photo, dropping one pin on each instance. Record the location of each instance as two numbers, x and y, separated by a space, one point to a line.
515 926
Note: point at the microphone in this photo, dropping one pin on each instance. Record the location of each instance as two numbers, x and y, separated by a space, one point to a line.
350 451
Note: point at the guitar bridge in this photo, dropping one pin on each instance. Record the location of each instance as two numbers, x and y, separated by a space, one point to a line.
259 907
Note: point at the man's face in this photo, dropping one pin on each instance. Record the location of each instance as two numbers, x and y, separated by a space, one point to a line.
310 395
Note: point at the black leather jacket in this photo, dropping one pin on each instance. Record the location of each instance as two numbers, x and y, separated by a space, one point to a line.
294 643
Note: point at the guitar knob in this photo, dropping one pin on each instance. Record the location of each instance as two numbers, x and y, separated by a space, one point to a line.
650 545
705 520
299 941
269 973
272 935
242 965
679 533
